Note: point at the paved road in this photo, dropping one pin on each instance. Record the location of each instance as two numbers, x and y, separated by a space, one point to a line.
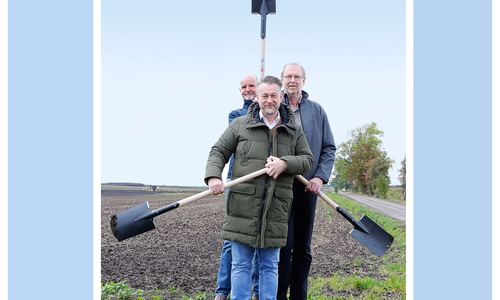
391 209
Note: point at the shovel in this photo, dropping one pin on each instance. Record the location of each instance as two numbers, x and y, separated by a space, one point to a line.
139 219
367 232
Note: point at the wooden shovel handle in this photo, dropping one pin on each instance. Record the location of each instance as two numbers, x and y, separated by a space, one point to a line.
226 185
323 196
262 63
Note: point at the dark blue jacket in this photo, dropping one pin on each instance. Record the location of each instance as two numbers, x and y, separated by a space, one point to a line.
233 115
319 136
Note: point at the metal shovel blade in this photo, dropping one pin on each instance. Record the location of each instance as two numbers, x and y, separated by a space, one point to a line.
367 232
139 219
377 239
129 223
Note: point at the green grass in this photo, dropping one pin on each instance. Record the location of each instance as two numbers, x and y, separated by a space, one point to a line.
365 288
394 195
120 290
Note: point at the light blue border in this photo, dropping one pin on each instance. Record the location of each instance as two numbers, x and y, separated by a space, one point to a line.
50 147
452 149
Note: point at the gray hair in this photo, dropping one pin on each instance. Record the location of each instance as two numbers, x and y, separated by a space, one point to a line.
296 64
270 80
249 75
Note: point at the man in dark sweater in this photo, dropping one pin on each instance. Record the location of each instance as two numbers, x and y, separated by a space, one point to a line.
295 257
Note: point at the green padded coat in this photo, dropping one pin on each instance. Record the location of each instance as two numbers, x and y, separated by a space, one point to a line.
257 210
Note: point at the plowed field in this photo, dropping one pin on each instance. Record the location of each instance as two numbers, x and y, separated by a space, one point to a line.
183 252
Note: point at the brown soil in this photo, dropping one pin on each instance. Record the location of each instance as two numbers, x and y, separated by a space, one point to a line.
183 251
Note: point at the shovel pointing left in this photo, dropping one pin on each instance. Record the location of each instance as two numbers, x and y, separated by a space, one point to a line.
139 219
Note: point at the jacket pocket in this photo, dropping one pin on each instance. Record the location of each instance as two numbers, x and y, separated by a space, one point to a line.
241 201
281 205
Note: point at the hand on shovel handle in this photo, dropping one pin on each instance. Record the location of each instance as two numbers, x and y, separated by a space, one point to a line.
367 232
139 219
216 186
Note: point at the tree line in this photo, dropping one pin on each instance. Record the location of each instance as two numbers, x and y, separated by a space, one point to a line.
362 164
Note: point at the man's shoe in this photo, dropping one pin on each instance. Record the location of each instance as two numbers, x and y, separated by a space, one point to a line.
255 298
220 297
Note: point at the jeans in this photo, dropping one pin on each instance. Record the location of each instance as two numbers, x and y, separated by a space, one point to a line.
255 274
224 274
242 268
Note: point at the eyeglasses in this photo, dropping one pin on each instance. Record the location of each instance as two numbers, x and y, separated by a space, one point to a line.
290 77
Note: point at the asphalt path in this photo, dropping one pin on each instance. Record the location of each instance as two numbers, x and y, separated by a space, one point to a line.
388 208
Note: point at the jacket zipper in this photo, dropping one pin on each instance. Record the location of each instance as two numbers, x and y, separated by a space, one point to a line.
266 185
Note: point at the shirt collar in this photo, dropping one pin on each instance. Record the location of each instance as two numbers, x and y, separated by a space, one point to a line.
270 125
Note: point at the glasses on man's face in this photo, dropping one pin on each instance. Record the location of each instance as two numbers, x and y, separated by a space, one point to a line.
290 77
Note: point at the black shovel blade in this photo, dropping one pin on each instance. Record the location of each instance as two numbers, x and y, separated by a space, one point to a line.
139 219
132 222
377 239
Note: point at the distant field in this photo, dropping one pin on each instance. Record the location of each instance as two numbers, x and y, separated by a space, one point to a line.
168 189
108 187
163 188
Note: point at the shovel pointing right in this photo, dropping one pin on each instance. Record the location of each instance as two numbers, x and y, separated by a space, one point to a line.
367 232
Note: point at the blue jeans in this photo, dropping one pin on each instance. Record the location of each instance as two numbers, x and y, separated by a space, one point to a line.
241 272
224 274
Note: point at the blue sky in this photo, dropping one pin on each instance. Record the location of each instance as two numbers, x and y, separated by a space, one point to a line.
170 75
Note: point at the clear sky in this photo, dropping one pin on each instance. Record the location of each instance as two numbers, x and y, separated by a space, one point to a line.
171 70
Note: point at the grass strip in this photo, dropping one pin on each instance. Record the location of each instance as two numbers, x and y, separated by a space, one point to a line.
367 288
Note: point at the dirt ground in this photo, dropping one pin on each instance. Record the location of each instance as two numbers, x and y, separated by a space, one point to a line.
183 251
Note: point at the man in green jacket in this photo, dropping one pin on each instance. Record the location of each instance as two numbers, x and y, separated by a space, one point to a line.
257 210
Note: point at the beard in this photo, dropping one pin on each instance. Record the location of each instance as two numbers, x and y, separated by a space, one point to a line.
249 96
269 110
293 91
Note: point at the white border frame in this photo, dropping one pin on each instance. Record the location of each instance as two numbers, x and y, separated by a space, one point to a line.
409 149
495 277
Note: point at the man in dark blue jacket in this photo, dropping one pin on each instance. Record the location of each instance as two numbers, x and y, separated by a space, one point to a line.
248 90
248 86
295 257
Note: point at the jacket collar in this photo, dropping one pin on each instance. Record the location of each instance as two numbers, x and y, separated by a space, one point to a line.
286 114
305 95
247 103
